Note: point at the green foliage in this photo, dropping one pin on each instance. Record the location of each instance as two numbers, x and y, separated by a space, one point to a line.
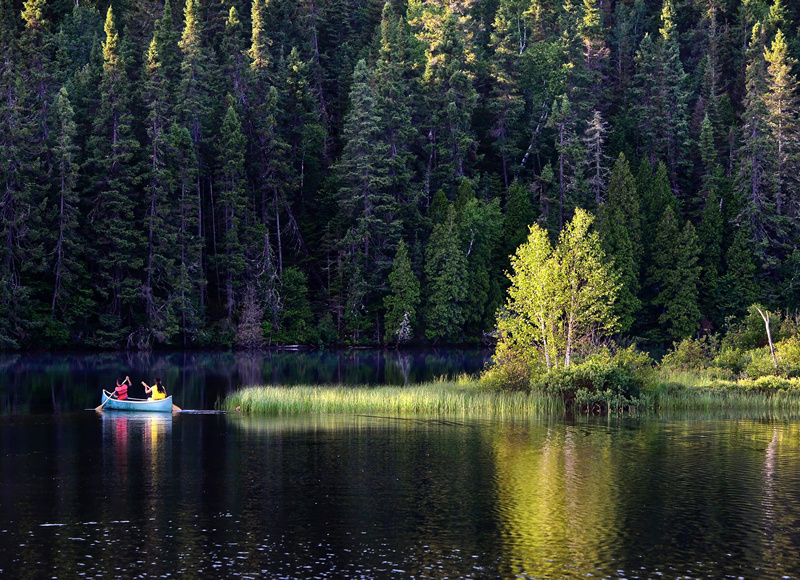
445 267
141 202
560 298
691 354
403 298
598 385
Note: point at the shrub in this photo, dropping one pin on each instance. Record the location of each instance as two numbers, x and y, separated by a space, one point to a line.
691 354
593 386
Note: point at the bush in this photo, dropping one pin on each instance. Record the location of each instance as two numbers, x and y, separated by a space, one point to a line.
691 354
593 386
511 370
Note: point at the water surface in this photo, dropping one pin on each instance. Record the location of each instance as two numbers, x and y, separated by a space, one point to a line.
123 495
48 383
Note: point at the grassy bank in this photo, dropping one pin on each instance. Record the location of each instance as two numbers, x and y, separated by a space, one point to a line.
468 397
437 398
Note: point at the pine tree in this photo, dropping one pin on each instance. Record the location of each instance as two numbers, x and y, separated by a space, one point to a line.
71 290
112 176
570 152
445 282
232 188
403 299
519 215
451 101
621 238
675 275
756 180
161 268
191 281
781 102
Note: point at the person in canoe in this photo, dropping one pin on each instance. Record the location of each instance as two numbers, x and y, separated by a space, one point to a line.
158 391
121 392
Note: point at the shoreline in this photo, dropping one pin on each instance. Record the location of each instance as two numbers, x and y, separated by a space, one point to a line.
468 396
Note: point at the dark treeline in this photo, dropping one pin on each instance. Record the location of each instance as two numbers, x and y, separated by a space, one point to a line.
349 172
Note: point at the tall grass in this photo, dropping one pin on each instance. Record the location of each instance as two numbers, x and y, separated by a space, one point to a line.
436 398
667 397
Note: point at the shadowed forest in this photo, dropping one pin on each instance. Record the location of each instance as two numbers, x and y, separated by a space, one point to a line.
344 172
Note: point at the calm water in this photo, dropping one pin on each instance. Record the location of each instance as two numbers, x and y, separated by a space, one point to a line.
225 495
197 380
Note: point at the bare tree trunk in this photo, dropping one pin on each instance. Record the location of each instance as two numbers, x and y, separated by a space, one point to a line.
769 336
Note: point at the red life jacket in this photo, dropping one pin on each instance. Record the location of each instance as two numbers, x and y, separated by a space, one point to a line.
122 392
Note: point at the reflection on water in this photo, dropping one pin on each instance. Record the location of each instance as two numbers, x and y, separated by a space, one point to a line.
50 383
118 495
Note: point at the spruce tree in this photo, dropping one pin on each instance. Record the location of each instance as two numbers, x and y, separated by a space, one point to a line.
112 176
519 214
403 299
445 282
781 102
231 184
191 279
451 99
675 275
621 238
161 269
70 305
368 209
756 179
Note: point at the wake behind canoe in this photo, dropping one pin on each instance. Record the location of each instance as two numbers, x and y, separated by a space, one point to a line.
147 405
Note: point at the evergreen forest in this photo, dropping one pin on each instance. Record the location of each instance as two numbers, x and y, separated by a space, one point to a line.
244 173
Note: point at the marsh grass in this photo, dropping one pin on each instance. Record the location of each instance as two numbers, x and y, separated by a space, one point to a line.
669 397
459 397
466 396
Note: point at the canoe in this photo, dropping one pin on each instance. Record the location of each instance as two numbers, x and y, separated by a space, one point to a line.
129 404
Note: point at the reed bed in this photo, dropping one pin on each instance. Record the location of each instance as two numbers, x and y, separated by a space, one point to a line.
438 398
714 399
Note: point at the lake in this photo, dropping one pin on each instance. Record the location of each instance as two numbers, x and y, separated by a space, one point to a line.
225 495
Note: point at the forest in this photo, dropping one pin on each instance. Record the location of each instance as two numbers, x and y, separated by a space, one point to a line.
349 172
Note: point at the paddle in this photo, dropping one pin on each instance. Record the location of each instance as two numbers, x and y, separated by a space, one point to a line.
176 408
100 407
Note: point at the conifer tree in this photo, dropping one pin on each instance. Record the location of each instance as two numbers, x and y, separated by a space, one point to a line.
739 286
781 103
518 216
570 152
480 224
112 175
507 104
191 279
16 201
595 160
160 266
393 111
403 299
451 101
756 180
621 238
675 275
368 209
445 281
232 187
193 98
71 291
